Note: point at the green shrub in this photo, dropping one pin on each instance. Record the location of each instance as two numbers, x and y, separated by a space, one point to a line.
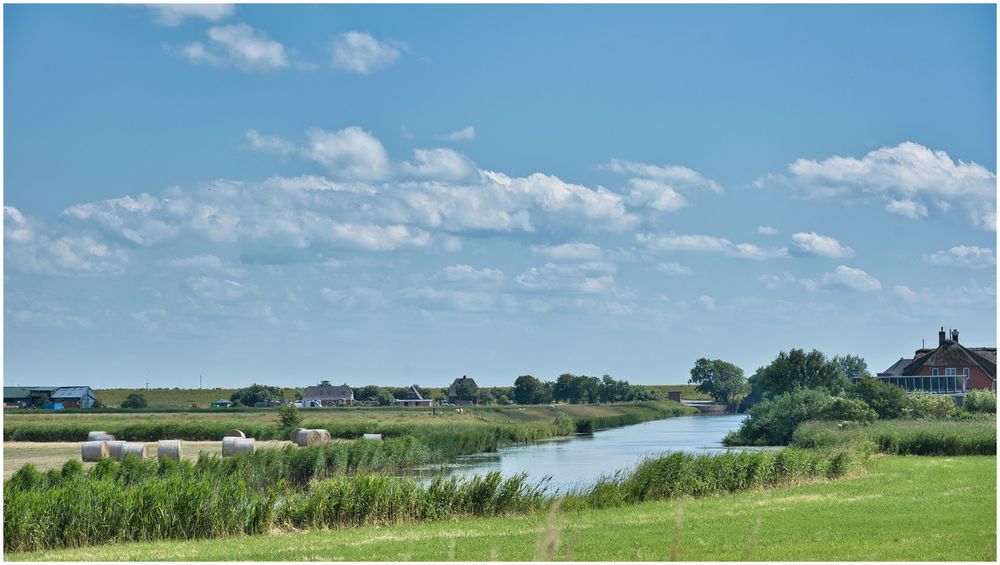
929 405
135 400
888 400
984 401
846 410
772 421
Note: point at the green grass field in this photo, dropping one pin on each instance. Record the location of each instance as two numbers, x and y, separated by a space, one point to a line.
903 509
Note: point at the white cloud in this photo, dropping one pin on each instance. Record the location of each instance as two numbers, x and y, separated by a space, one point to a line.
709 244
439 164
467 273
463 300
568 251
812 242
903 176
963 256
67 255
587 278
269 143
467 133
655 194
220 290
671 268
361 53
681 176
845 277
906 208
353 297
240 46
205 262
351 153
953 296
15 226
775 281
706 302
171 15
766 230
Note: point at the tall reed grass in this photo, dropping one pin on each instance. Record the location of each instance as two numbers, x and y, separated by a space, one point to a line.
971 436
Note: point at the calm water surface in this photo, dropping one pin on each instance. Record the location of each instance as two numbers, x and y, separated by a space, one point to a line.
580 460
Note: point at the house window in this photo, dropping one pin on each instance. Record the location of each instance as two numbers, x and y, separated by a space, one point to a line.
951 371
965 371
934 371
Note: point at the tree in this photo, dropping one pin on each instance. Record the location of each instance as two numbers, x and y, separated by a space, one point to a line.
257 393
385 398
528 390
135 400
721 380
888 401
366 392
798 369
289 416
853 366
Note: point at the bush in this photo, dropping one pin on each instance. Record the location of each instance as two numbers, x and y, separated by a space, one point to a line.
887 400
928 405
772 421
289 417
981 401
847 410
135 400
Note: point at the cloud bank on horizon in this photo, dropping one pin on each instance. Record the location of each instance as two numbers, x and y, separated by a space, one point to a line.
384 260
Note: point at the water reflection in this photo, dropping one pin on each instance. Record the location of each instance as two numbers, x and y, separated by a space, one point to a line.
579 461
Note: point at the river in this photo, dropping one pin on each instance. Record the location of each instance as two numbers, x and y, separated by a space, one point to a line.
578 461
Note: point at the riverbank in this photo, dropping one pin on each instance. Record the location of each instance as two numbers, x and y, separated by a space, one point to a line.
903 509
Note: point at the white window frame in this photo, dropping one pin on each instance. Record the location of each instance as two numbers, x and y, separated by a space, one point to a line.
951 372
934 371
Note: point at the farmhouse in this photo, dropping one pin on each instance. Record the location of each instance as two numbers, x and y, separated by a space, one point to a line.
949 368
463 391
326 394
413 398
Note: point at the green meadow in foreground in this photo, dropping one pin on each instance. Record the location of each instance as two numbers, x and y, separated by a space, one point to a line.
903 509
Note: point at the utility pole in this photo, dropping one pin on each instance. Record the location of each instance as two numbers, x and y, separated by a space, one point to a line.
199 381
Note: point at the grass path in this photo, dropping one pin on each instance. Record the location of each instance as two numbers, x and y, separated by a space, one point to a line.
905 508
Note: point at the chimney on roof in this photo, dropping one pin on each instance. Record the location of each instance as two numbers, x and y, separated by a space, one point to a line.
941 337
954 335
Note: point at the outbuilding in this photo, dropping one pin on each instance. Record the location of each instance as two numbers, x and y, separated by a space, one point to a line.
74 397
413 398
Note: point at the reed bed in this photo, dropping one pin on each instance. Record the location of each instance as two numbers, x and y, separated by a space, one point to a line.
970 436
142 501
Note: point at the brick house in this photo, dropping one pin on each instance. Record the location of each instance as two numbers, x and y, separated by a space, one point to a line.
327 395
949 368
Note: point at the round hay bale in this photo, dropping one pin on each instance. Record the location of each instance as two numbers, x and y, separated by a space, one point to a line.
233 445
293 433
116 449
138 449
307 437
372 437
94 450
168 449
234 433
100 436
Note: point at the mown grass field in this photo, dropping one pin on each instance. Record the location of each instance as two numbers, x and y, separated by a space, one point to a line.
903 509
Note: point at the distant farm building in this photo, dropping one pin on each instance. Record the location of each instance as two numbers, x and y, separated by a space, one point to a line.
950 368
326 394
222 403
413 398
39 396
463 391
26 396
74 397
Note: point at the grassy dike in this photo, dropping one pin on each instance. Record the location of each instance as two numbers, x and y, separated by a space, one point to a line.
903 509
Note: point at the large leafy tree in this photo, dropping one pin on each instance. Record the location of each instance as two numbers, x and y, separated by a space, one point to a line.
258 393
798 369
528 390
135 400
889 401
721 380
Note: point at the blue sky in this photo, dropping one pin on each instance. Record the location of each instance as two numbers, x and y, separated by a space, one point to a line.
406 194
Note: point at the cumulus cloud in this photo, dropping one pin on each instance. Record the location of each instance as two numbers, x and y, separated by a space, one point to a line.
660 187
467 133
205 262
905 177
15 226
847 278
440 164
240 46
361 53
966 256
171 15
269 143
574 250
220 290
812 242
697 243
670 174
972 294
707 302
587 278
766 230
672 268
467 273
775 281
351 152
